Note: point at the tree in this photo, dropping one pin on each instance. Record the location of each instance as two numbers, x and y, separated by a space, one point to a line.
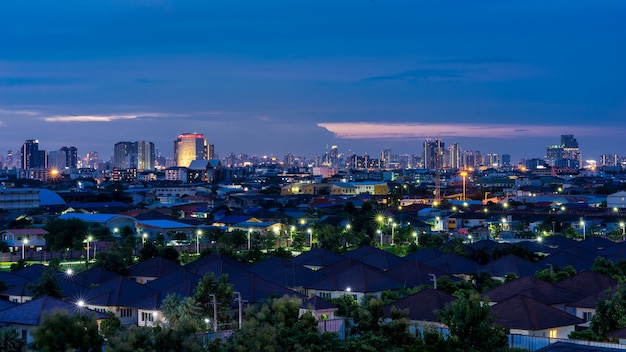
610 313
471 323
46 285
66 233
117 259
10 340
223 292
276 325
60 331
177 309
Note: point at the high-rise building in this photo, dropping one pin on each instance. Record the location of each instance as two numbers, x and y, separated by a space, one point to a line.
454 152
567 154
32 157
145 155
506 160
609 160
433 154
123 155
385 158
189 147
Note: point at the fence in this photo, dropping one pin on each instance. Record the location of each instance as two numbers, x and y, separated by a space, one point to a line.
534 343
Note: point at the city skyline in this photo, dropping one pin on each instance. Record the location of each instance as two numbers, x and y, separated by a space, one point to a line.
274 78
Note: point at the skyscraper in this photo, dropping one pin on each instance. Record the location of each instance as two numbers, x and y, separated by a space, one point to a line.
385 158
31 155
71 157
145 155
123 155
189 147
454 151
433 154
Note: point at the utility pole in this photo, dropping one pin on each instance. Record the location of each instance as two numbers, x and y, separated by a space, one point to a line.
239 304
214 303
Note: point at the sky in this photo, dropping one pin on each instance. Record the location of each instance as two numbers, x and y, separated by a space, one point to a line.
272 77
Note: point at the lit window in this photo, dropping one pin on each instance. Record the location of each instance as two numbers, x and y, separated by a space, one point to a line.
552 334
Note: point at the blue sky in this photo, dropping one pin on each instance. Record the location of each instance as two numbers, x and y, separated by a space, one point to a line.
271 77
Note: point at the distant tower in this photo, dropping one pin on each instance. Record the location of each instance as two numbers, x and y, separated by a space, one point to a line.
455 156
570 149
145 155
433 154
71 157
189 147
122 154
385 158
31 155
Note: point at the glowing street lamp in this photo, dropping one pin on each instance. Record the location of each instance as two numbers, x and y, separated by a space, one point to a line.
393 226
143 239
416 238
198 234
582 223
24 242
310 232
464 175
380 233
249 233
89 238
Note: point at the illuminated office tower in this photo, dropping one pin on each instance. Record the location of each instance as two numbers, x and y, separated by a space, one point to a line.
189 147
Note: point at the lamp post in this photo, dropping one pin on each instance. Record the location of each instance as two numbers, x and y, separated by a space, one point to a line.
380 233
24 242
291 230
621 224
417 241
88 240
143 239
393 227
198 234
464 175
310 232
582 223
249 233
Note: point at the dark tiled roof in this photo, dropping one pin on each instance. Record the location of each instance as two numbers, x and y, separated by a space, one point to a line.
541 291
524 313
218 265
587 283
424 255
510 264
423 305
454 264
94 276
31 313
286 272
413 273
317 257
119 291
153 267
356 277
375 257
316 303
255 289
565 258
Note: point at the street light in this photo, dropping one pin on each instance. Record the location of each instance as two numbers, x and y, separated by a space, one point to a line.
249 232
88 240
143 239
582 223
464 175
380 233
198 234
393 226
621 224
310 232
417 242
24 242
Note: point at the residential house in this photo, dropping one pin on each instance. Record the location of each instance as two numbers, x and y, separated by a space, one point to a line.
31 239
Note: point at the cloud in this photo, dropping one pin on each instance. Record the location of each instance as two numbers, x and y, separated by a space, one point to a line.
367 130
98 118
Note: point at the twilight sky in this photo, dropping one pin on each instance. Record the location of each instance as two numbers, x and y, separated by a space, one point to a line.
278 76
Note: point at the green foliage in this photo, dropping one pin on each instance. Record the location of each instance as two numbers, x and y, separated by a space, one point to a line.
62 332
19 265
66 233
180 309
471 323
10 340
555 273
276 325
224 295
483 282
610 313
117 259
182 338
46 285
607 267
